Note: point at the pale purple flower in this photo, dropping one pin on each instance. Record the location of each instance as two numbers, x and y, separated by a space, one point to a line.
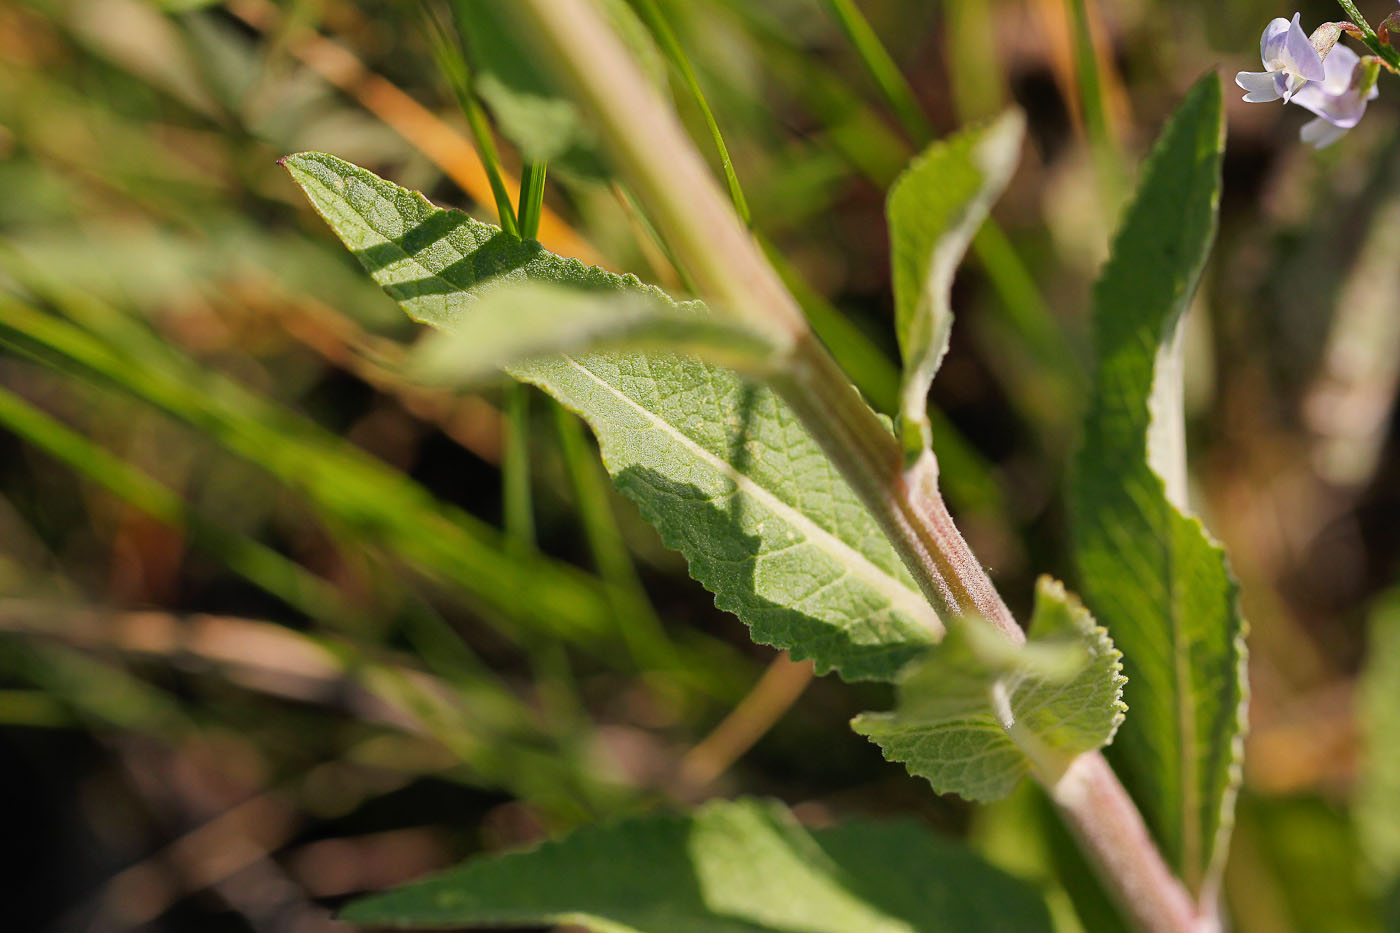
1339 100
1290 59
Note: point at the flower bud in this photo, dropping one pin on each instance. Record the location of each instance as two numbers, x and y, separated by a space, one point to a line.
1325 37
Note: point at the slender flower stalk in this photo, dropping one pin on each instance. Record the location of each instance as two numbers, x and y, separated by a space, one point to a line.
672 180
1382 49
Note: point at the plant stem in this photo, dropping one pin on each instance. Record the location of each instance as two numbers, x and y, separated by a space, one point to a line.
1111 832
1387 53
671 46
519 512
693 215
666 172
906 503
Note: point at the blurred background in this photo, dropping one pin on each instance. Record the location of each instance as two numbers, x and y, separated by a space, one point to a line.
278 627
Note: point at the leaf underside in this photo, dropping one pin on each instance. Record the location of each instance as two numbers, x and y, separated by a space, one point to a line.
978 714
728 867
1149 571
722 468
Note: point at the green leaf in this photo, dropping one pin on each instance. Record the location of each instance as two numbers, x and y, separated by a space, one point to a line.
1376 816
740 867
1149 570
722 468
517 323
934 209
979 713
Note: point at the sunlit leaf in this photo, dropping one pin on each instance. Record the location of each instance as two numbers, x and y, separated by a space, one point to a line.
741 867
1149 571
722 468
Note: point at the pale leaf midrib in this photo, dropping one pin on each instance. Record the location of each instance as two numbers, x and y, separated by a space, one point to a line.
900 596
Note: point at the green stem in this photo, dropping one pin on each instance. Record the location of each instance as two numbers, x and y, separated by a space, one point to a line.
641 628
1387 54
459 78
518 509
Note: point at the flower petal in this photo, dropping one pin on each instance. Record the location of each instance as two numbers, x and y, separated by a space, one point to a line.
1259 84
1344 110
1339 67
1299 56
1320 134
1271 43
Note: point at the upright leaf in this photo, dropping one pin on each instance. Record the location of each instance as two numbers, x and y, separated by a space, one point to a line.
979 713
723 469
1149 570
742 867
934 209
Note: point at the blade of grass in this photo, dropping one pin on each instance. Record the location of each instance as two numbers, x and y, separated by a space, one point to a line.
531 198
1027 313
665 36
882 69
257 563
1089 83
352 488
453 65
439 142
519 510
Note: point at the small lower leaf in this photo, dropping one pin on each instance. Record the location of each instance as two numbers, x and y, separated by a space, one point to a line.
740 867
978 713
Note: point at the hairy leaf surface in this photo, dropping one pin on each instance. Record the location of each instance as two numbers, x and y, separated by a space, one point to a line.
740 867
979 713
722 468
527 322
934 209
1149 570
